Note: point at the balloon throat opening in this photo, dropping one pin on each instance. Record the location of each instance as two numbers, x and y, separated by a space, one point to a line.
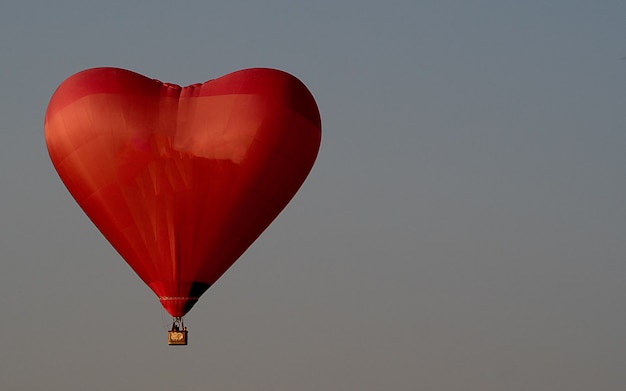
177 335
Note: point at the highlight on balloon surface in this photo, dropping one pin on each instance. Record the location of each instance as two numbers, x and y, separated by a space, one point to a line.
182 180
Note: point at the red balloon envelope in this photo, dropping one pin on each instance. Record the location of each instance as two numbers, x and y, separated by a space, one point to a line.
182 180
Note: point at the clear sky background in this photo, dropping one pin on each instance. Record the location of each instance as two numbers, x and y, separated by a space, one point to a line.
463 228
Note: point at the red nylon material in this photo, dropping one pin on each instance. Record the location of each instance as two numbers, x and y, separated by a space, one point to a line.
181 181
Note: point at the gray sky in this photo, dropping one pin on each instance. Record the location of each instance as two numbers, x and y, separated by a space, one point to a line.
462 229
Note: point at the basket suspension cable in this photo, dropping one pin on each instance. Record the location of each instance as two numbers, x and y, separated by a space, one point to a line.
178 324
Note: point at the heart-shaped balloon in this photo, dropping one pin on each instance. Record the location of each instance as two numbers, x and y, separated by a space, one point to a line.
182 180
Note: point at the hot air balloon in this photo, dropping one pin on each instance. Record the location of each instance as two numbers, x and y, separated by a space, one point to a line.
182 180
